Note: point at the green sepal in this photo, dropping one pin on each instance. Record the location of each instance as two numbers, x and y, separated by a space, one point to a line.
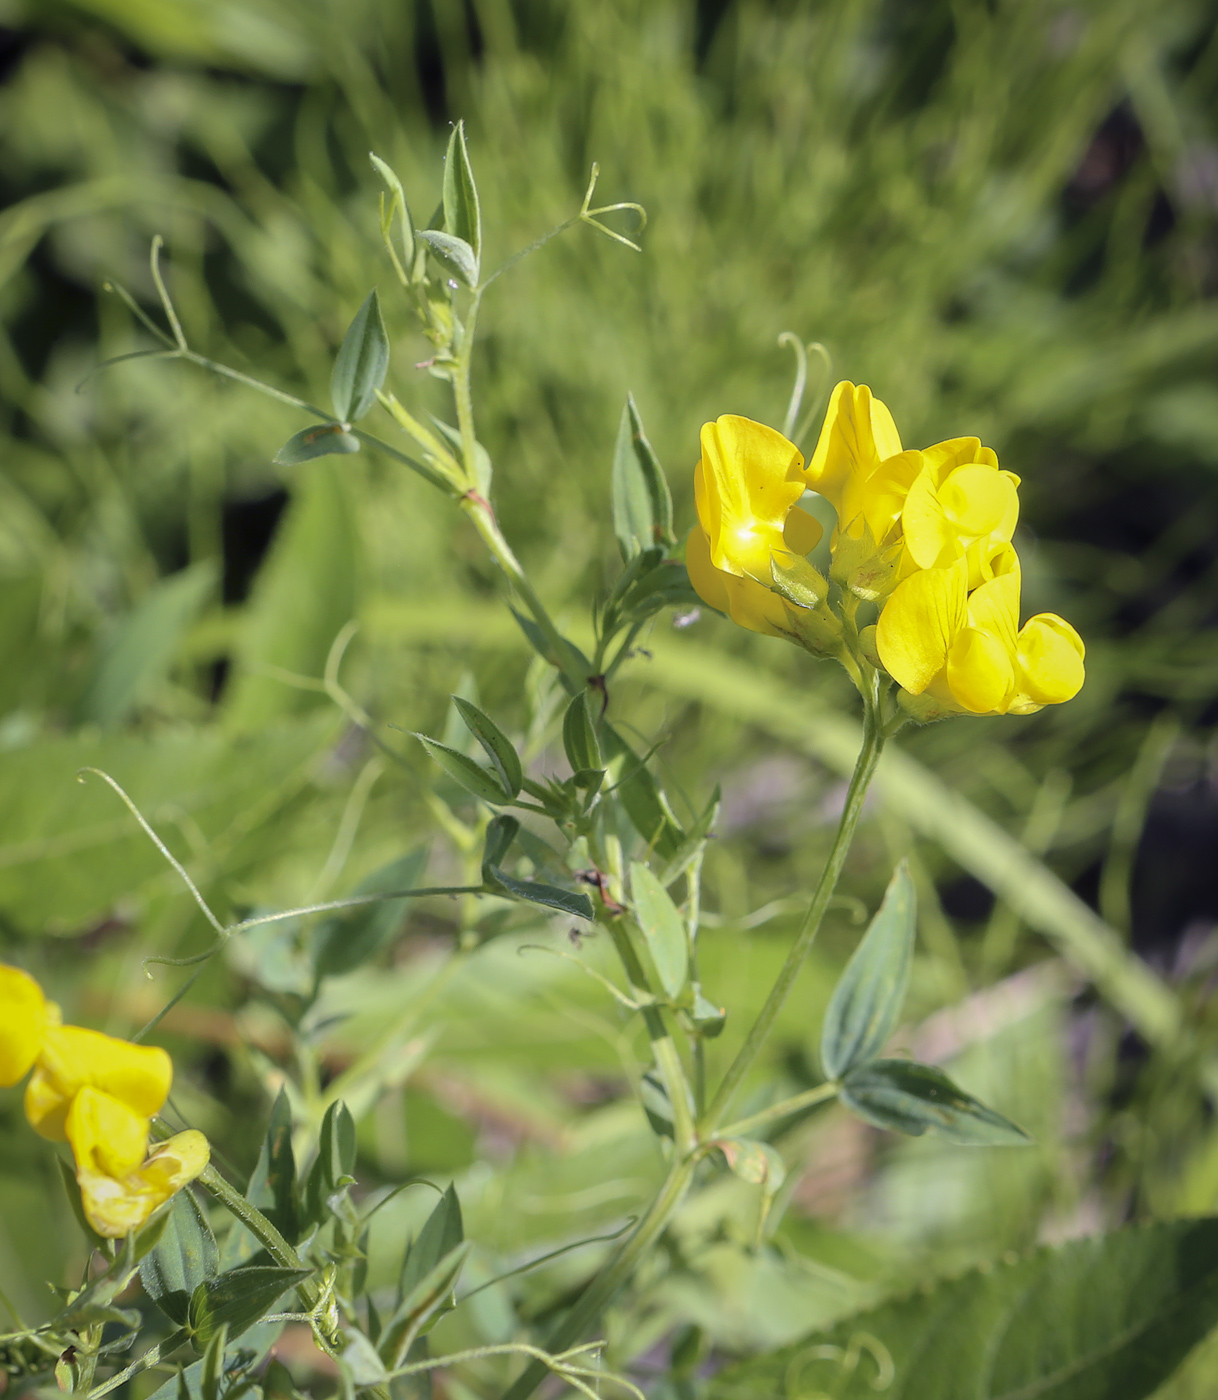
910 1098
663 929
799 582
464 771
499 748
361 363
866 1003
321 440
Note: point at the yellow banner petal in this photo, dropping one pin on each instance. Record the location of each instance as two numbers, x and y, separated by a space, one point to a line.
918 625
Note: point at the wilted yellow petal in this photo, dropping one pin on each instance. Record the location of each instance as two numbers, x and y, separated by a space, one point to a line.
73 1058
1050 659
802 531
115 1206
858 433
23 1023
106 1136
751 476
918 625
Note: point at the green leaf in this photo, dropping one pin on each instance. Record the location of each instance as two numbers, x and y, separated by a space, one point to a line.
389 176
663 928
360 1358
238 1299
867 1001
462 215
331 1172
758 1163
911 1098
442 1231
185 1256
645 804
501 831
429 1274
361 363
579 739
453 254
498 746
708 1018
642 504
350 940
535 892
212 1375
653 1093
321 440
1108 1318
463 770
142 648
272 1185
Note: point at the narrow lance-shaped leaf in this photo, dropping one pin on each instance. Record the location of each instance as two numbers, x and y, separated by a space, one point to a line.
462 215
361 363
642 503
463 770
238 1299
185 1256
498 746
579 736
913 1099
535 892
389 175
663 928
867 1001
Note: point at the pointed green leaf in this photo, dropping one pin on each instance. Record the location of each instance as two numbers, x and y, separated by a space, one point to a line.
656 1104
361 363
212 1375
663 928
501 831
389 176
645 804
238 1299
331 1172
462 215
535 892
321 440
579 739
272 1184
454 254
867 1001
185 1256
442 1232
912 1098
424 1302
462 769
642 504
498 746
1105 1318
360 1358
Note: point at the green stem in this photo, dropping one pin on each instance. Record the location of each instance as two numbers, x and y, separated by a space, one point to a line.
796 1104
605 1286
258 1226
864 769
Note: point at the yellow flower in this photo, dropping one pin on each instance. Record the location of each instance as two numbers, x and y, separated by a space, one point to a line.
960 504
120 1187
857 437
72 1059
967 650
746 486
25 1015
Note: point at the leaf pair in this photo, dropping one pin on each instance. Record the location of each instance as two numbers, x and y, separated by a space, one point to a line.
500 834
499 784
862 1015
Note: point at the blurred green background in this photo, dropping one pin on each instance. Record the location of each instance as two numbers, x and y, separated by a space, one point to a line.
1002 216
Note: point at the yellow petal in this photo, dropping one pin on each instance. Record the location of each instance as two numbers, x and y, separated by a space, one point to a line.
114 1206
980 673
918 625
73 1058
751 604
994 608
930 538
751 477
802 532
1050 660
708 582
944 457
106 1136
858 433
976 500
23 1023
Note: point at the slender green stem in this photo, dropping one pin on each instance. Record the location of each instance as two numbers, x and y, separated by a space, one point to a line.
864 769
150 1358
252 1218
462 391
796 1104
605 1286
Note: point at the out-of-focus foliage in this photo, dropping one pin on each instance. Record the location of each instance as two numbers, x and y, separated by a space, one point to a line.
1000 216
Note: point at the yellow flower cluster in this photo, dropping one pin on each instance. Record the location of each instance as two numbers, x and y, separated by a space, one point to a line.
97 1093
925 535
